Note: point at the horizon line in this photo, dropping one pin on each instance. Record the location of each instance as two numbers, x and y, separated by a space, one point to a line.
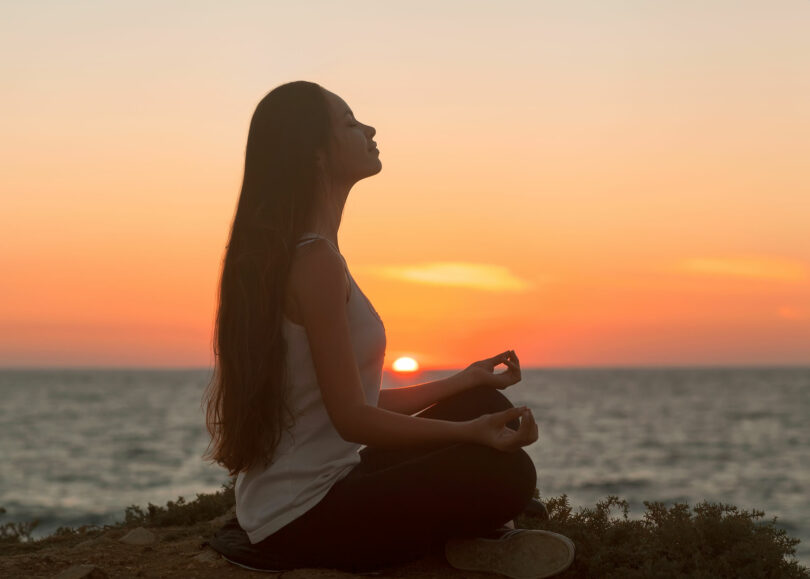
662 366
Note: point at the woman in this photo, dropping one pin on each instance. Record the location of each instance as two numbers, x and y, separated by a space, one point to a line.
296 390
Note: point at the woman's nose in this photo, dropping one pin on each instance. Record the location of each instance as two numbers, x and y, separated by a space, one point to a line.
371 131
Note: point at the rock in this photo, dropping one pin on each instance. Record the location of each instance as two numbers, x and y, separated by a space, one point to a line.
83 572
139 536
83 544
207 556
222 519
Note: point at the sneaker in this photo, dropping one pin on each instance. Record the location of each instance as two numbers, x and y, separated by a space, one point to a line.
517 553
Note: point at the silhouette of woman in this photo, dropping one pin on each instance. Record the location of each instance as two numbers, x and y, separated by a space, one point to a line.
332 471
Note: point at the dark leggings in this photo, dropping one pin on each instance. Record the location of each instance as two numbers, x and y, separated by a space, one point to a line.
398 505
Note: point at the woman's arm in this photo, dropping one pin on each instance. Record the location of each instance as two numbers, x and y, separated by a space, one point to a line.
317 280
411 399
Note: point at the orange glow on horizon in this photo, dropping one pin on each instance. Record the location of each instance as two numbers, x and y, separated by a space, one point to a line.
633 201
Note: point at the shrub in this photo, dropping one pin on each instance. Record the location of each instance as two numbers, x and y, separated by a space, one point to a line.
16 532
708 541
177 513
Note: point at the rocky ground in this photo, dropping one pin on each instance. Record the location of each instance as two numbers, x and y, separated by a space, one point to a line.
166 552
706 540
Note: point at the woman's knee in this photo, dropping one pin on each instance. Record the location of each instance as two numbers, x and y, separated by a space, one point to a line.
524 474
512 472
498 485
470 404
488 400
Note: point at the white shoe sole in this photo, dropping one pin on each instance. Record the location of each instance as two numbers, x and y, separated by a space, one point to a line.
528 554
253 568
244 566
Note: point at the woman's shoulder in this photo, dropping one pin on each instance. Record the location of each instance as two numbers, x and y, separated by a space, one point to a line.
315 252
317 267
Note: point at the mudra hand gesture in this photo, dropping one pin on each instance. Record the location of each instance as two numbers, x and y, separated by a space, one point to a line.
491 429
482 373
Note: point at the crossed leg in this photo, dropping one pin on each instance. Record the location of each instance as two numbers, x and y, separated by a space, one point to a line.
398 505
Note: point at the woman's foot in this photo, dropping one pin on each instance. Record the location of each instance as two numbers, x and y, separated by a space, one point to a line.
516 553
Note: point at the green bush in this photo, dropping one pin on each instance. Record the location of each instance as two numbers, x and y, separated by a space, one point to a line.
16 532
204 508
708 541
178 513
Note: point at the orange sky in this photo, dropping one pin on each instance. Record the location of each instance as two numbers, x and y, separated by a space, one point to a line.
588 183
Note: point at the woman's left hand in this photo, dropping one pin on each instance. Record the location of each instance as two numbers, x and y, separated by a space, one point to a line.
482 373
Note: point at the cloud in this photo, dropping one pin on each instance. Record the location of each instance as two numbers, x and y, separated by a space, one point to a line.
775 268
482 276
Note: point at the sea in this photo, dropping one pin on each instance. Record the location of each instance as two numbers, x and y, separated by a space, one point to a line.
78 446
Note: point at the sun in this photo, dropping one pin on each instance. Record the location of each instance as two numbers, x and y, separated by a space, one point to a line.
405 364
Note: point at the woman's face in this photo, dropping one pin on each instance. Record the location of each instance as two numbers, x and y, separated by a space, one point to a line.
354 154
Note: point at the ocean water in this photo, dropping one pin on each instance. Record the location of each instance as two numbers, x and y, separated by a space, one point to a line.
78 446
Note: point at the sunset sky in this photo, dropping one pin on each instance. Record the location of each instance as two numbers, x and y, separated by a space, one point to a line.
589 183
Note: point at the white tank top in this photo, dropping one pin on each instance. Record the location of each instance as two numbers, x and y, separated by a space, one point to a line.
315 457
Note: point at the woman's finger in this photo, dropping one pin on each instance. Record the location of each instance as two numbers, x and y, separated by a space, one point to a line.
513 370
531 420
507 415
511 364
514 439
529 434
524 423
525 432
524 420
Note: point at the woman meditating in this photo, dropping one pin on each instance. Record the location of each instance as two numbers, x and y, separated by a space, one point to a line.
333 471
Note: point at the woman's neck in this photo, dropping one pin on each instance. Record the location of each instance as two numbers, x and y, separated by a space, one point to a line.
326 221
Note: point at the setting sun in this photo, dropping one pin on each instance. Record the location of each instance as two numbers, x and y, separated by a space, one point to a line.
405 364
683 243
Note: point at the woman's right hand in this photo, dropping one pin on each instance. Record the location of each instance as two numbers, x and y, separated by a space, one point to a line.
491 429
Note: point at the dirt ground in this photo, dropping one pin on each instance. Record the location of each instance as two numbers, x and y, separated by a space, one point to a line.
176 552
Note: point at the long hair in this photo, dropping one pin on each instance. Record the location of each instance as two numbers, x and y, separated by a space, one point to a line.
246 400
